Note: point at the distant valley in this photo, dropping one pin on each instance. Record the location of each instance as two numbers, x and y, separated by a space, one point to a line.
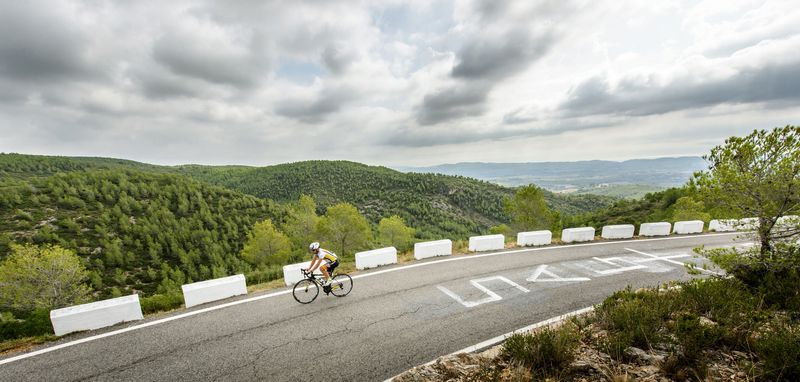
627 179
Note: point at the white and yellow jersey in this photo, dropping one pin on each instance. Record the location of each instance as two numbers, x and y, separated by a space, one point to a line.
327 255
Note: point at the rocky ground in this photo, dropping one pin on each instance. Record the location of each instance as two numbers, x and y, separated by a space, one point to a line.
590 364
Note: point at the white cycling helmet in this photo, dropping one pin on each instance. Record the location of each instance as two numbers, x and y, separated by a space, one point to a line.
313 246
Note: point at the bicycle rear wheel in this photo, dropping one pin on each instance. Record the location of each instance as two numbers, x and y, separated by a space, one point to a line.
305 291
341 285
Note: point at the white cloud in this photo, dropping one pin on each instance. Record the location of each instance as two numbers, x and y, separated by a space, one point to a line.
397 82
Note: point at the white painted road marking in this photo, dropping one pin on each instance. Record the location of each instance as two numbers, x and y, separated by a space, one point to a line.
619 268
542 269
477 284
369 274
657 258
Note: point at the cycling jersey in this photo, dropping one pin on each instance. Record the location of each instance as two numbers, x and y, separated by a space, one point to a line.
327 255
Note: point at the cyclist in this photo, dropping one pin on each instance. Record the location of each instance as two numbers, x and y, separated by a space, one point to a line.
326 260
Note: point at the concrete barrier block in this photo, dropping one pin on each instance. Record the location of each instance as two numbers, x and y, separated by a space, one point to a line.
655 229
428 249
573 235
748 224
292 274
723 225
788 221
96 315
619 231
376 258
486 243
534 238
212 290
687 227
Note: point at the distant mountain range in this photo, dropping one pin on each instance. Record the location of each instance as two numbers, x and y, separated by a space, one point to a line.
560 176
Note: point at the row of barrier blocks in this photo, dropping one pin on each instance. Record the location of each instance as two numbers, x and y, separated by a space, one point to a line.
100 314
113 311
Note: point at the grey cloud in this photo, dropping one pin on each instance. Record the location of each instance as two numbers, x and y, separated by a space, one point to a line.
428 137
190 56
498 58
461 100
336 59
325 103
38 44
644 96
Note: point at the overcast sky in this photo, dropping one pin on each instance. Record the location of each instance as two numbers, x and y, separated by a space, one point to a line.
393 82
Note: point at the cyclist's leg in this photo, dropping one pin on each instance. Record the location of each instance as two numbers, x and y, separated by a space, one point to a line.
332 267
324 269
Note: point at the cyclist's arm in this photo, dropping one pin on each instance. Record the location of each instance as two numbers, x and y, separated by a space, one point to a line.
315 262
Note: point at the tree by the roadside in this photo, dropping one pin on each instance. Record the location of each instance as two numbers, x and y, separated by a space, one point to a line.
344 229
756 176
301 221
266 245
42 277
528 209
392 231
687 208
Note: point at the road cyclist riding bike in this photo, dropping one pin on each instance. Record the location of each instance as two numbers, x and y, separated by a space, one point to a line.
307 289
325 260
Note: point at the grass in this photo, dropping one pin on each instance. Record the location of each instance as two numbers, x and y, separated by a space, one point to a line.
22 344
546 351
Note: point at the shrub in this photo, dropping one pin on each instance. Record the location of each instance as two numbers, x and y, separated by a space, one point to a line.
161 302
638 315
694 337
546 351
779 350
36 323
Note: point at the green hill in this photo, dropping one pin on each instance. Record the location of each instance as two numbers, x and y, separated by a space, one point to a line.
437 205
135 230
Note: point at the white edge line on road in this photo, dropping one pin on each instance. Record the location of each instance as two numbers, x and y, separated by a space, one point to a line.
496 340
370 274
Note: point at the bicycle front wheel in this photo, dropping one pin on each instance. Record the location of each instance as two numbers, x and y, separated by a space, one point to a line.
305 291
341 285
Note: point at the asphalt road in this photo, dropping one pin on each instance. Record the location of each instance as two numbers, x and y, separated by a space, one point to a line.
390 322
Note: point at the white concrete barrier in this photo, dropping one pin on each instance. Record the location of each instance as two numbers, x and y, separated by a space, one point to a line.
788 220
723 225
572 235
486 243
428 249
748 224
96 315
292 274
534 238
619 231
376 258
212 290
655 229
687 227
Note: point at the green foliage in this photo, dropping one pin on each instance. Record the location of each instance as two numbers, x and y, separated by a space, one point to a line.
687 208
528 209
161 302
502 229
41 277
393 232
779 350
693 336
301 222
344 229
156 229
34 323
756 176
547 351
654 207
634 318
266 245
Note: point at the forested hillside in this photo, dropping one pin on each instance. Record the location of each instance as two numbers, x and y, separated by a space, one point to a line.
142 231
437 205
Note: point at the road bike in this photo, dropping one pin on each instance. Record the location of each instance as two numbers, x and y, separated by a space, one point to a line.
307 289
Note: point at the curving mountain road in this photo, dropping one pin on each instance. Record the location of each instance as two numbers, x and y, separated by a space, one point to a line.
395 318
